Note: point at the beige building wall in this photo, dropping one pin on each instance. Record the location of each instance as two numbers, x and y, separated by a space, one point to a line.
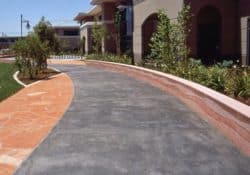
70 42
244 40
142 10
84 33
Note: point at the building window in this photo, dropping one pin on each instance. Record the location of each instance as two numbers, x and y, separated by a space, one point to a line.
100 18
129 19
70 33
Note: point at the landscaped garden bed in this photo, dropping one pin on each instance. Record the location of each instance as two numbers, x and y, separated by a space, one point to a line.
169 53
33 51
231 80
43 75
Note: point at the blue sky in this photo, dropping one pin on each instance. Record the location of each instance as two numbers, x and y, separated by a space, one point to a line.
56 11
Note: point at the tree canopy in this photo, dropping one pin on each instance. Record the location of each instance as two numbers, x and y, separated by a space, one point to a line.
47 34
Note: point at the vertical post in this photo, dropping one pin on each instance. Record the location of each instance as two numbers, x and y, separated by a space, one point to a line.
21 25
248 42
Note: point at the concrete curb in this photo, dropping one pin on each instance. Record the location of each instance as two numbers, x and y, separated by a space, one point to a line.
15 76
228 115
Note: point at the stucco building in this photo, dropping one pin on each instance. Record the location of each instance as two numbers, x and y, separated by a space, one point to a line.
69 37
220 29
103 13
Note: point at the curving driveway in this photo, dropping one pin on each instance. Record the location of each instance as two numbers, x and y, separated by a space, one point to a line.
117 125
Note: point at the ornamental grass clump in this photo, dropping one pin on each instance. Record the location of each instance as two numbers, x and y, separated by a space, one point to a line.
238 85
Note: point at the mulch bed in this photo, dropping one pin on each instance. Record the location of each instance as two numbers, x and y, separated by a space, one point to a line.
45 75
246 101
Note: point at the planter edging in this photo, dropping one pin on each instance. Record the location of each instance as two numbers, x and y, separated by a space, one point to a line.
15 77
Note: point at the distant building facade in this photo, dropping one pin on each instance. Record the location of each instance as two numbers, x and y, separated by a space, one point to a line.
103 13
69 37
220 29
7 41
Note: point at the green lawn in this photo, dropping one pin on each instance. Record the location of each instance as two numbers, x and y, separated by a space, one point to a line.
8 86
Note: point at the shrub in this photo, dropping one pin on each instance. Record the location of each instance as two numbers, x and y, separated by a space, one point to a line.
160 48
238 84
195 71
31 55
168 44
99 32
217 77
111 58
47 35
225 64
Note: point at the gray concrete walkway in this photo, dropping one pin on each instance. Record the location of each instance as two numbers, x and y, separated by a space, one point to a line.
117 125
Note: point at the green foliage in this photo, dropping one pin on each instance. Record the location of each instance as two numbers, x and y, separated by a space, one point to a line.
8 85
192 70
182 29
31 55
99 32
169 53
160 47
233 81
82 45
238 84
225 64
117 21
168 43
111 58
47 35
217 78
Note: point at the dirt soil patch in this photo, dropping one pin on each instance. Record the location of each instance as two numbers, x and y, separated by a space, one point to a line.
41 76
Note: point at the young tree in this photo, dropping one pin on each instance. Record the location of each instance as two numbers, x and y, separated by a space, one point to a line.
169 42
82 45
183 29
117 21
160 41
99 32
31 55
46 34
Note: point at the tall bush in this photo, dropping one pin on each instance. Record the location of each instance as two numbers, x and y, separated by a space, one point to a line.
117 21
31 55
99 32
47 35
160 41
238 84
82 45
169 43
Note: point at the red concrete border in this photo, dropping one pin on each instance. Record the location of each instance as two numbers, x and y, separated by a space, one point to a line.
27 117
231 117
